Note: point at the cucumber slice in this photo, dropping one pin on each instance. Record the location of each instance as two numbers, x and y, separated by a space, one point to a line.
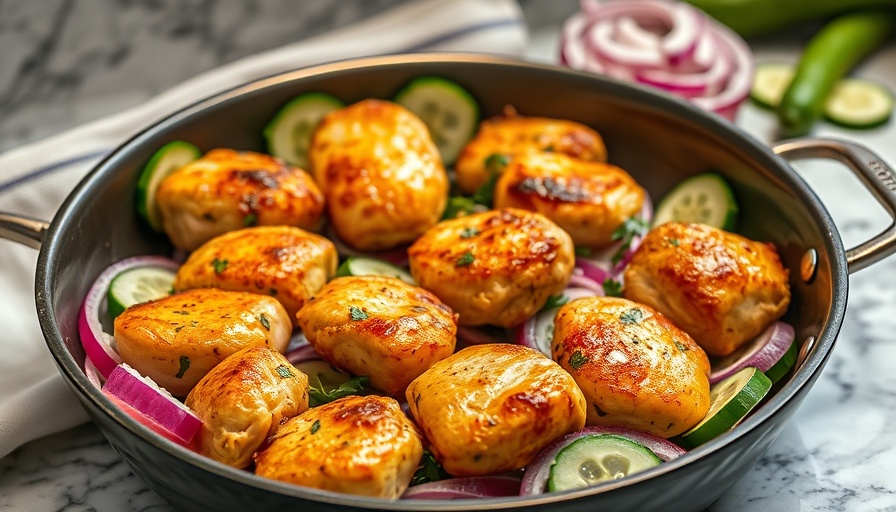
447 109
730 401
136 286
167 159
705 198
783 366
769 83
321 374
288 135
856 103
598 458
362 266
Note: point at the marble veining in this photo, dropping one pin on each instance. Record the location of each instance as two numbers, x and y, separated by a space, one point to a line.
66 62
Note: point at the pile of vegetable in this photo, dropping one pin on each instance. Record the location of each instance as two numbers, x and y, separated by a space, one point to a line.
588 457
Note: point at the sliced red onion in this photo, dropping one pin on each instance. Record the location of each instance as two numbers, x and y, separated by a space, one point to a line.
302 353
687 27
538 331
631 33
397 257
93 375
582 281
297 340
761 352
98 345
157 404
726 102
480 335
494 486
537 473
600 40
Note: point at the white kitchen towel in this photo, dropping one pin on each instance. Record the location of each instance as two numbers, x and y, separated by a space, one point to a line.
35 179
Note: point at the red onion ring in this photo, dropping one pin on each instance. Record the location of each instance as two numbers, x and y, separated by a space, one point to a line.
667 45
533 332
493 486
537 473
302 353
761 352
98 345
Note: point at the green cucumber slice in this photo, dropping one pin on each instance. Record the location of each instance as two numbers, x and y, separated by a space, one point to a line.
447 109
288 134
136 286
856 103
167 159
321 374
705 198
783 366
598 458
770 80
363 266
730 400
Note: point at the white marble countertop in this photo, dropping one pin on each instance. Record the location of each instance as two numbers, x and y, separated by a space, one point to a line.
838 453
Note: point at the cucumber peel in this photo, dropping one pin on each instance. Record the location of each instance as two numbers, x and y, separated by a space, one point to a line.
705 198
167 159
730 400
288 134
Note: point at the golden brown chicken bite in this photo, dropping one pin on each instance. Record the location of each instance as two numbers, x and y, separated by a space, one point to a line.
721 288
242 401
362 445
380 327
381 174
492 408
285 262
176 340
589 200
636 369
227 190
511 135
497 267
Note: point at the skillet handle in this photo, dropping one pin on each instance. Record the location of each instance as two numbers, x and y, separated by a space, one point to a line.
24 230
877 177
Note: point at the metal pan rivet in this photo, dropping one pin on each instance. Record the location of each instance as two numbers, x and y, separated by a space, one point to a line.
808 265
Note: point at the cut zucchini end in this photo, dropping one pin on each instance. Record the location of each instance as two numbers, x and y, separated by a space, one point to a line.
705 198
449 111
169 158
597 458
364 266
770 80
731 400
859 104
784 365
288 134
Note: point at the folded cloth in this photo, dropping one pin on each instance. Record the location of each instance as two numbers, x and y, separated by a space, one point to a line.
35 179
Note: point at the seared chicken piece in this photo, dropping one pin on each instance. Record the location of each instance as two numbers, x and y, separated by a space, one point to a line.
362 445
589 200
176 340
497 267
243 400
492 408
636 368
381 174
380 327
227 190
288 263
512 135
721 288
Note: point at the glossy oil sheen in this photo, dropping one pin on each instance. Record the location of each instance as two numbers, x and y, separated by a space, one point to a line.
659 140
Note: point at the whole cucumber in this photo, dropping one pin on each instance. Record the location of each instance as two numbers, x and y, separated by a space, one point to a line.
827 58
756 17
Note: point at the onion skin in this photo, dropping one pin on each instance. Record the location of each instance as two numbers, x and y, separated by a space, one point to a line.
537 473
495 486
761 352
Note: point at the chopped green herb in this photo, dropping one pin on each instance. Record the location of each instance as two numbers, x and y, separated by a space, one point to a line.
273 292
612 287
464 260
357 313
583 251
496 163
284 372
184 366
681 347
250 220
674 241
632 316
181 312
626 232
485 194
317 395
458 206
315 427
577 360
219 265
555 301
429 470
469 232
264 322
